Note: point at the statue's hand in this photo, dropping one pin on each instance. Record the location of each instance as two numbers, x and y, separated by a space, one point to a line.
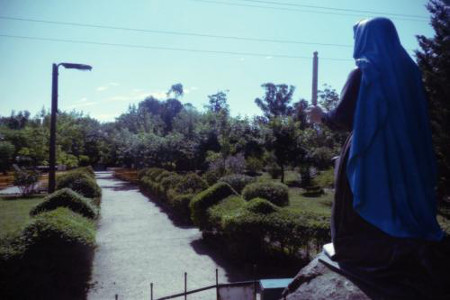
314 114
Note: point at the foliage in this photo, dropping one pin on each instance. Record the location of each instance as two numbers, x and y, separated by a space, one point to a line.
79 182
60 224
283 140
202 201
434 61
261 206
237 181
7 150
275 192
69 199
275 102
191 183
26 180
41 263
254 165
325 178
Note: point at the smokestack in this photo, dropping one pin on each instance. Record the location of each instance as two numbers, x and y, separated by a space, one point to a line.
315 78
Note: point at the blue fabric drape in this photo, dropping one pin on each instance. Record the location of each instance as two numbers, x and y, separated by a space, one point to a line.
391 166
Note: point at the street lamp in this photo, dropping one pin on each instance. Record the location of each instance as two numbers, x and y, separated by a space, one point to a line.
52 156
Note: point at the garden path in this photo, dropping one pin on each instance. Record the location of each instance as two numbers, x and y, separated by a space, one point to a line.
138 244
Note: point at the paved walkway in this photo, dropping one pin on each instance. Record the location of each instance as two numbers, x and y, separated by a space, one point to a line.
138 244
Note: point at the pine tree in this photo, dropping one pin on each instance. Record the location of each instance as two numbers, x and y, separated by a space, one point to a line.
434 61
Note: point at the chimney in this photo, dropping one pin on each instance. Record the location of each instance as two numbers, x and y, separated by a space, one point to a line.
315 78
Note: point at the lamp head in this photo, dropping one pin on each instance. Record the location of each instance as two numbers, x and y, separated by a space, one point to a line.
76 66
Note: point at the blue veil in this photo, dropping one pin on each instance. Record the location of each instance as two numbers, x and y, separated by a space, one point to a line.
391 166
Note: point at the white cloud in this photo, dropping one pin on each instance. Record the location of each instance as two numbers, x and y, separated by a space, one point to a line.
269 57
106 86
82 104
82 100
194 88
102 88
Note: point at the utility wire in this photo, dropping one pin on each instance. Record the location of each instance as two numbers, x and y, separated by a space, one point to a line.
302 10
203 35
335 8
168 48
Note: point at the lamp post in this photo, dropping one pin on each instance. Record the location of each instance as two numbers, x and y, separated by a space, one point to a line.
52 150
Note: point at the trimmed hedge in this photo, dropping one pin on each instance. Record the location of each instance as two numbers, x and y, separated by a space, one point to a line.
277 193
251 236
225 208
79 182
69 199
261 206
202 201
41 264
170 181
237 181
60 224
191 183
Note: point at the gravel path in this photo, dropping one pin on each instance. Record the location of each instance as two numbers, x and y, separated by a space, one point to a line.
138 244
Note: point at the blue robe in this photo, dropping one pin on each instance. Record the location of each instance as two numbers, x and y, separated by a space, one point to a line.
391 166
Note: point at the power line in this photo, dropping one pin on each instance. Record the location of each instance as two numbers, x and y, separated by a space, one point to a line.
335 8
270 55
203 35
302 10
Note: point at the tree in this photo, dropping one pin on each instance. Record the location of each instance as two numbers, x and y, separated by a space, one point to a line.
283 141
434 61
328 98
276 101
218 102
176 90
6 154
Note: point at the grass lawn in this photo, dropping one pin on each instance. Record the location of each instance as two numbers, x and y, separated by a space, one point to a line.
14 214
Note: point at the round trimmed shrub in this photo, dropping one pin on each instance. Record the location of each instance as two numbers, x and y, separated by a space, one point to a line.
85 170
170 181
275 192
261 206
163 175
191 183
60 224
80 183
69 199
56 264
209 197
237 181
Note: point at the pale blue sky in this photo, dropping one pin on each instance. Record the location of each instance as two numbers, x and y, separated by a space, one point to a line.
122 76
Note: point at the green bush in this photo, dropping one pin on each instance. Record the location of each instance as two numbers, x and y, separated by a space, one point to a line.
60 224
226 208
277 193
274 170
80 183
237 181
325 178
202 201
162 175
69 199
254 165
170 181
88 170
211 176
180 204
55 262
261 206
250 236
26 180
191 183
